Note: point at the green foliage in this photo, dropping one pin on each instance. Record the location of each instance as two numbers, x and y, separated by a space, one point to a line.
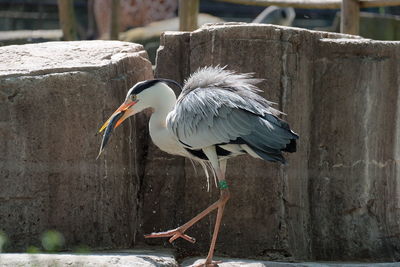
33 249
52 241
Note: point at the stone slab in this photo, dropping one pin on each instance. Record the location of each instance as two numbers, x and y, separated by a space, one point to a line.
338 197
56 57
144 258
53 99
228 262
154 258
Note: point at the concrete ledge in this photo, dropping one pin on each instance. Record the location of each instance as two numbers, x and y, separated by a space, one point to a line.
145 258
227 262
53 98
150 258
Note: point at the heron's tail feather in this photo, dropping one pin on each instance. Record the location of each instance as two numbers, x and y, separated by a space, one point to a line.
291 147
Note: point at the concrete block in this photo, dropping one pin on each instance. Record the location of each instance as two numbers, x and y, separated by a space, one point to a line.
338 197
137 257
354 150
53 98
232 262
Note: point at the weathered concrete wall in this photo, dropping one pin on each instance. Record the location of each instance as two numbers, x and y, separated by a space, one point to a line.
339 197
53 99
354 150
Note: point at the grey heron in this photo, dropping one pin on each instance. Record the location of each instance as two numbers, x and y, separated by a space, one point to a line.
217 116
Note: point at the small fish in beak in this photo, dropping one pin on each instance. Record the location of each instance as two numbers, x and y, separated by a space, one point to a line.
121 114
110 127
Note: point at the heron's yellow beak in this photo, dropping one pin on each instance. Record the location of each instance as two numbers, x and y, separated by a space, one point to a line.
123 108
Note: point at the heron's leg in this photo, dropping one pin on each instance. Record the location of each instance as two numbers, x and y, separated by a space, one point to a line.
179 232
220 168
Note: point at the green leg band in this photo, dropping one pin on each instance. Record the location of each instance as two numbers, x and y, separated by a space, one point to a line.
222 184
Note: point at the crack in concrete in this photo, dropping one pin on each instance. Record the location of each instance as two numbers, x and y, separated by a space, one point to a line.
379 164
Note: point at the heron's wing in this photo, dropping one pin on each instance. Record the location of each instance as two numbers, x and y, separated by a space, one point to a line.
218 116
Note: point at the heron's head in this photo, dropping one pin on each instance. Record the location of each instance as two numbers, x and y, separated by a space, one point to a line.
142 95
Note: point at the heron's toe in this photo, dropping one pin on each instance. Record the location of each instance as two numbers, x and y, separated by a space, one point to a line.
182 235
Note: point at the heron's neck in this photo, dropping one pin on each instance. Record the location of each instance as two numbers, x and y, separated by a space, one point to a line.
158 122
158 118
164 104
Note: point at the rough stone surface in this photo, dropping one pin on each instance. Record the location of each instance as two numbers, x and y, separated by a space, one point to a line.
354 152
53 99
152 258
338 197
144 258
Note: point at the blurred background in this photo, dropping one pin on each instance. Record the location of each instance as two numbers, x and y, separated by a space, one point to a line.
32 21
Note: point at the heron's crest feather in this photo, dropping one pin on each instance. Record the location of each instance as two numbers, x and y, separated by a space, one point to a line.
208 77
217 79
211 77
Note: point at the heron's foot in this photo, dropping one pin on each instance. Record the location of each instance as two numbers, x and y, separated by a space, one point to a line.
173 234
208 264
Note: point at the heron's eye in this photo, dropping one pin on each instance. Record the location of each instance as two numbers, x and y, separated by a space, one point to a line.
132 97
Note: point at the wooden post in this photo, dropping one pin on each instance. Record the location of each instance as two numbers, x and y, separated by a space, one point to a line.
115 20
350 17
188 13
92 31
66 16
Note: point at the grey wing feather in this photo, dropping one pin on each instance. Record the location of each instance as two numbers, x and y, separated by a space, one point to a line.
202 118
222 117
268 135
220 107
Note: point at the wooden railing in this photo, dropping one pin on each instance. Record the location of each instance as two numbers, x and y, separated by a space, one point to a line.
67 19
189 9
350 9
